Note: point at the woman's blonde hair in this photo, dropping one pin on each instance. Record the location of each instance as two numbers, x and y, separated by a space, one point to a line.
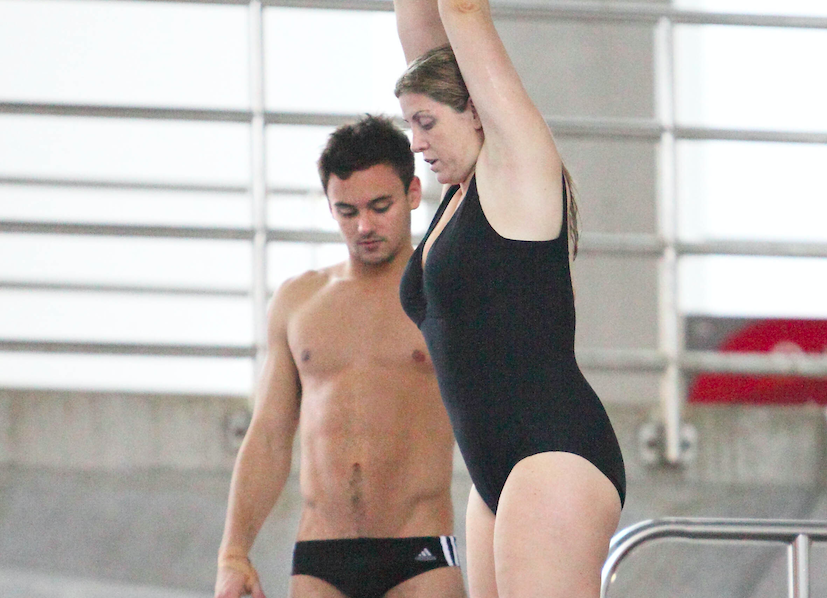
436 74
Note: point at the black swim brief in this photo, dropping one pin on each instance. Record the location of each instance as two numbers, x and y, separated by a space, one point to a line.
369 567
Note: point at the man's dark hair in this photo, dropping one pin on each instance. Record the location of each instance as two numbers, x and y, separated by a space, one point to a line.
370 141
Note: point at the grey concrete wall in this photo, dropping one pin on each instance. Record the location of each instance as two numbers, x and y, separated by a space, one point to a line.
81 430
107 511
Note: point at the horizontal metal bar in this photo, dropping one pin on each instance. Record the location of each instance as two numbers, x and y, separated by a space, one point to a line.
167 113
729 530
147 186
625 244
304 236
718 134
618 128
588 11
630 128
639 244
798 364
32 346
622 12
811 365
635 128
113 288
115 230
680 17
75 391
315 119
293 191
580 11
369 5
91 110
314 236
753 248
608 128
807 365
770 530
621 359
234 2
621 244
591 242
121 185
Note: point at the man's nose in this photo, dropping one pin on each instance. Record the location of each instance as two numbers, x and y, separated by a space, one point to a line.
365 222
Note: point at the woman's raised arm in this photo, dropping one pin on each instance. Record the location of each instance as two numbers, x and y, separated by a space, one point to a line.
419 27
502 102
519 170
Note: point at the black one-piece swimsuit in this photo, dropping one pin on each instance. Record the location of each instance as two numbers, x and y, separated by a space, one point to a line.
497 315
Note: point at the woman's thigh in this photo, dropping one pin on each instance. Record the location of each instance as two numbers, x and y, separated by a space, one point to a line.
555 519
479 548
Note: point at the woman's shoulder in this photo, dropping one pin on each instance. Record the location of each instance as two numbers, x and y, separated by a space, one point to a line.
522 202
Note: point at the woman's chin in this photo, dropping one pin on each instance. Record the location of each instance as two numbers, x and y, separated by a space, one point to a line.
446 179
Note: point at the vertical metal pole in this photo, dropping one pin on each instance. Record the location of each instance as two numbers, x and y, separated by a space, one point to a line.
258 186
798 558
670 332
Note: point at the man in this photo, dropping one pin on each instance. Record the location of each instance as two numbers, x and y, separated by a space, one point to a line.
350 371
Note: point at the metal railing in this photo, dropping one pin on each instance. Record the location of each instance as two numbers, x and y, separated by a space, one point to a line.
670 359
798 535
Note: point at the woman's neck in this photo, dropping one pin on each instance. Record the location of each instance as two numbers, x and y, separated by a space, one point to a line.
466 183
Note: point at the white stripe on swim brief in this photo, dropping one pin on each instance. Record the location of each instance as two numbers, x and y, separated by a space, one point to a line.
449 550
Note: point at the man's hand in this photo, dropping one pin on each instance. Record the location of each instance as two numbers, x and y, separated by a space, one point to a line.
236 577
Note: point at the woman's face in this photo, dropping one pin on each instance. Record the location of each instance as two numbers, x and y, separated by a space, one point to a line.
450 141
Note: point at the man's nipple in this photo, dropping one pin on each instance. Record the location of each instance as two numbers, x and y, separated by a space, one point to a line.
418 356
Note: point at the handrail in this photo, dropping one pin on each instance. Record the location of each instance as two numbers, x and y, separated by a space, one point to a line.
798 534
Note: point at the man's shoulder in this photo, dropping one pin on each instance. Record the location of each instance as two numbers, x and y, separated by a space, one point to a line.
301 288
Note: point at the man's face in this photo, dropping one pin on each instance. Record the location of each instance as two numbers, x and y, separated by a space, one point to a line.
373 212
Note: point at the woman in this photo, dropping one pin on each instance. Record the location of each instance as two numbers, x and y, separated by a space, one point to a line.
490 288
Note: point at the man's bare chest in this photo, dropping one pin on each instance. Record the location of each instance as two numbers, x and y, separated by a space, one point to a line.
344 331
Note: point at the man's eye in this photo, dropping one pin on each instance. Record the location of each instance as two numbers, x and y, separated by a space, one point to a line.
428 124
382 209
347 213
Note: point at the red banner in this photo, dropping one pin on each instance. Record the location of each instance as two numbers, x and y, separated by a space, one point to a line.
765 336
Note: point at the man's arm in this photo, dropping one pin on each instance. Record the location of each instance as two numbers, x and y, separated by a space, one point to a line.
263 462
419 27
